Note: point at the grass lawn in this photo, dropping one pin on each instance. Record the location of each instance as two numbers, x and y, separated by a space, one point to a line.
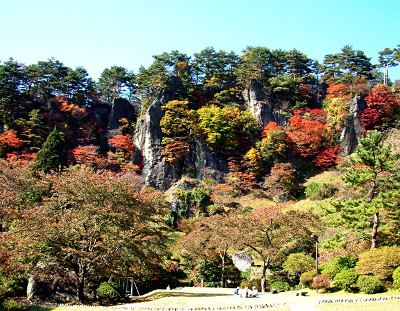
391 305
222 297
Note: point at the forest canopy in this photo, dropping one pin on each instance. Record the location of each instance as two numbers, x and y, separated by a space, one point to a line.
74 198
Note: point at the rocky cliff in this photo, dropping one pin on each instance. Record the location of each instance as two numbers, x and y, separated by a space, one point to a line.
147 140
263 109
110 114
201 162
352 129
157 172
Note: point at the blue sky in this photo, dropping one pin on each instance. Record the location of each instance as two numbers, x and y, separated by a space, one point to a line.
97 34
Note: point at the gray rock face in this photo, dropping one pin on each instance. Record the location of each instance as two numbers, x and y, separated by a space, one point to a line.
157 172
120 108
50 282
147 140
208 165
261 107
109 115
352 129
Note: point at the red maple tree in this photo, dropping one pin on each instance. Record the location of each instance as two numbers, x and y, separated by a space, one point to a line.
382 108
124 145
308 131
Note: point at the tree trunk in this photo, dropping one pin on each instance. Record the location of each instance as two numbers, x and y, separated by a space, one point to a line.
81 290
80 282
264 275
374 234
223 271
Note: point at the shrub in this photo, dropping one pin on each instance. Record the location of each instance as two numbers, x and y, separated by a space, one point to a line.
346 280
337 265
298 263
12 305
13 285
369 284
109 290
396 277
316 191
322 281
280 286
379 262
307 278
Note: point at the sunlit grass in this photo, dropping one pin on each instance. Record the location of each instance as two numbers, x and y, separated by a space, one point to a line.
390 305
217 297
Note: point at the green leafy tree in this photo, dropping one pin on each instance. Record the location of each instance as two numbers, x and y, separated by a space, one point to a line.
387 59
178 126
209 64
346 280
52 155
113 82
150 81
282 74
227 129
298 263
79 87
396 278
47 80
337 265
171 61
273 145
35 129
369 284
380 262
348 67
373 173
258 64
13 99
214 74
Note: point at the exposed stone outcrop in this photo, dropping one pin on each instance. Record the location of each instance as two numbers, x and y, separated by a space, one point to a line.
50 282
110 114
101 113
208 165
120 108
157 172
261 107
352 129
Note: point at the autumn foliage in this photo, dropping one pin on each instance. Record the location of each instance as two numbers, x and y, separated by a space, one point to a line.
123 144
382 108
338 90
10 139
328 157
308 131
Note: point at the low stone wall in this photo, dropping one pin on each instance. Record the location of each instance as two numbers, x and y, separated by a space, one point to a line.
361 299
243 307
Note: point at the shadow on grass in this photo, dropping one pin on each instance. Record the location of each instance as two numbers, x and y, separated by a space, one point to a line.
37 308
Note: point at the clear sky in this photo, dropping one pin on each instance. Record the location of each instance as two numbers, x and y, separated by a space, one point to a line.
98 34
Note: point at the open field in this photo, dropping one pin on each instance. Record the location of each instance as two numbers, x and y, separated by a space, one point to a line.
361 306
222 299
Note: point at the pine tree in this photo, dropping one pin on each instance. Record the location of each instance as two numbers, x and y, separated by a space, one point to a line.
374 174
52 155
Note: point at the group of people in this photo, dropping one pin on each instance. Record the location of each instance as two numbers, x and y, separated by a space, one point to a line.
246 293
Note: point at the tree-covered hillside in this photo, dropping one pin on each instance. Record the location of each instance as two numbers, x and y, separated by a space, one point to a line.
77 169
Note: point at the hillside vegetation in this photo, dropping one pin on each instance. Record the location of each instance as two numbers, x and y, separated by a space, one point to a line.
301 164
